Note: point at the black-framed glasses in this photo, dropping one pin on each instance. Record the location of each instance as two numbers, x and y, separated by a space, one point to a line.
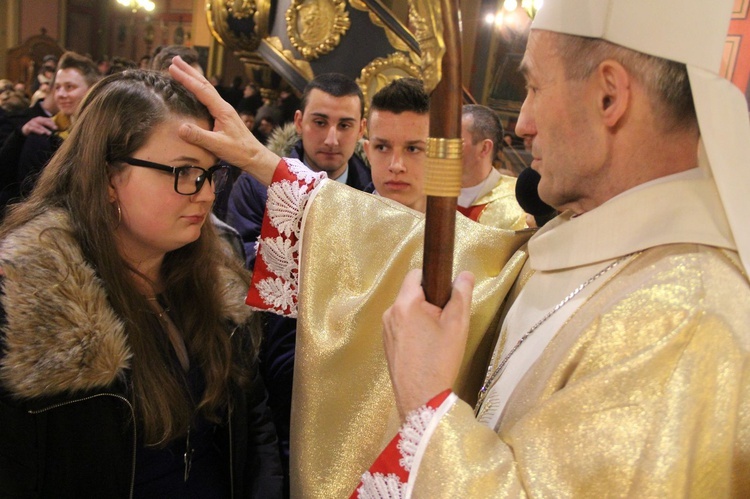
188 179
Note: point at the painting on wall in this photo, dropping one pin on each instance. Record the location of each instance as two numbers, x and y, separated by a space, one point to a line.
508 86
504 86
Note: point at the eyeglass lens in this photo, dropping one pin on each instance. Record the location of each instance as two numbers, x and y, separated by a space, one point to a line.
190 179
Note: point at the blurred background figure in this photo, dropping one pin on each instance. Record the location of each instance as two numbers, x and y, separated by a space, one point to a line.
24 154
248 117
288 103
487 196
119 64
103 65
12 104
251 99
269 110
264 128
235 92
46 72
144 62
163 59
40 93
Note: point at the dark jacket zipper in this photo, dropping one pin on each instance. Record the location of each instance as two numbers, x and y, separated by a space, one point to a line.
132 413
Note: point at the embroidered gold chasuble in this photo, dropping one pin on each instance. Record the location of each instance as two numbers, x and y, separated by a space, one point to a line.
642 413
502 209
351 269
498 207
644 391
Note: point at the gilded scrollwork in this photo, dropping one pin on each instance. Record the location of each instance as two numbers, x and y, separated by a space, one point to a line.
382 70
426 21
302 66
315 27
219 12
396 42
359 5
241 9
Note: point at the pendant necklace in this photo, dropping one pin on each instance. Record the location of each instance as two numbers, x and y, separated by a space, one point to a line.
188 456
182 356
493 375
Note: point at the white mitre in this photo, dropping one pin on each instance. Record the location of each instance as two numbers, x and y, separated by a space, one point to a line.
692 32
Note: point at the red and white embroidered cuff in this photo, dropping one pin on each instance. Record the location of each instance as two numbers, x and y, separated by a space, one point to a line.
276 274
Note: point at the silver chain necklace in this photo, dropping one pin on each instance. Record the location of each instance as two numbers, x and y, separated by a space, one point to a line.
492 376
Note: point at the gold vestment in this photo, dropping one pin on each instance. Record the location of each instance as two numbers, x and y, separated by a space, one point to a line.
644 391
502 208
351 269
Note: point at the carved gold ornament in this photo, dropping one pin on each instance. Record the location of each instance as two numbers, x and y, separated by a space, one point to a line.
241 9
426 20
381 71
395 41
303 67
314 27
219 11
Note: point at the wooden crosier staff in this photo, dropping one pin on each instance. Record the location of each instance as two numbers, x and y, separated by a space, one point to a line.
443 173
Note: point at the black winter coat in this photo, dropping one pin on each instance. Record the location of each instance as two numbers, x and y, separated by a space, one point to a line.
66 422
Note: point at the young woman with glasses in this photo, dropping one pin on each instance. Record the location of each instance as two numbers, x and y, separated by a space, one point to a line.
128 359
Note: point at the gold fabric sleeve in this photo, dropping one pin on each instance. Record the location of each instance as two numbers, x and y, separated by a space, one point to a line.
645 392
502 210
351 270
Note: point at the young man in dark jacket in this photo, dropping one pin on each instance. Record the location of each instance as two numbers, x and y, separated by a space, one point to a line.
330 122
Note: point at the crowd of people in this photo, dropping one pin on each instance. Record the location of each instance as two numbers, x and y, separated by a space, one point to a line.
215 292
23 114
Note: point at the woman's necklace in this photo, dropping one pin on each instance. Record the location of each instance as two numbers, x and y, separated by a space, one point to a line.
175 338
493 375
182 356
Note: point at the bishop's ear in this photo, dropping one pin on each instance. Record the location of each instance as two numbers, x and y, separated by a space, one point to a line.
614 91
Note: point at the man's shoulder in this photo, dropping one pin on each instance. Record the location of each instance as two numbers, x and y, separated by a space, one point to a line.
359 174
499 186
36 141
285 142
664 298
247 192
247 182
687 276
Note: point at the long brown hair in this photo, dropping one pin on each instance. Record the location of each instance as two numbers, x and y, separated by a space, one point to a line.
115 119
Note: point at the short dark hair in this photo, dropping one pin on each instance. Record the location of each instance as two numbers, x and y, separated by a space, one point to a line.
163 59
666 82
402 94
121 64
73 60
335 84
485 124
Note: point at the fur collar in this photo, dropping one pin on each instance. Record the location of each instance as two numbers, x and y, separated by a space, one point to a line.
61 333
283 139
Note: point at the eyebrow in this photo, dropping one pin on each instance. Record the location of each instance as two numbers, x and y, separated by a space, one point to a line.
523 67
408 142
191 161
323 115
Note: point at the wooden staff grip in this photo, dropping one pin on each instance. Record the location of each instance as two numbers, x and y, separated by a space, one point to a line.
445 122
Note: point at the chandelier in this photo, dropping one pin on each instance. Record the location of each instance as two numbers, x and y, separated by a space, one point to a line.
510 15
530 6
146 5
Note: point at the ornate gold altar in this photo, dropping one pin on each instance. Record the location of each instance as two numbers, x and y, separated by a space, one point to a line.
368 40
